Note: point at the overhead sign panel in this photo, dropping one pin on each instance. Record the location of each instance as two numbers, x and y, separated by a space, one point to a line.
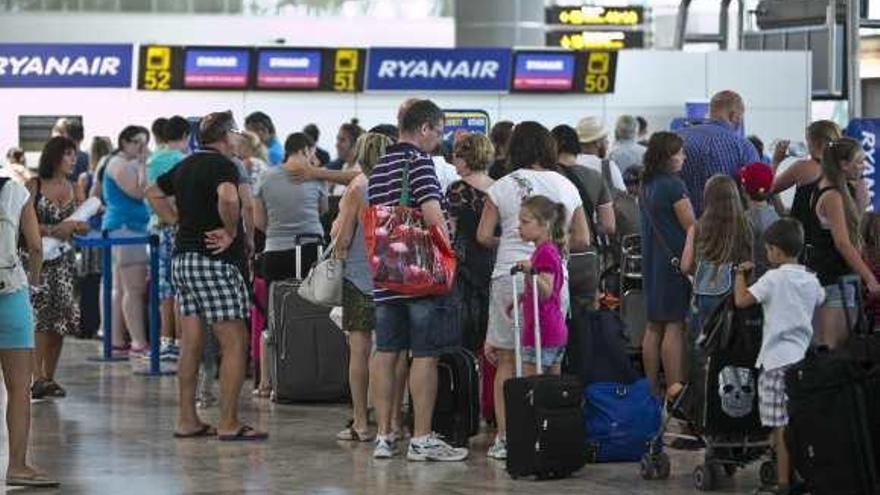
464 69
38 65
595 40
288 69
597 72
467 121
543 71
591 15
160 68
216 68
344 70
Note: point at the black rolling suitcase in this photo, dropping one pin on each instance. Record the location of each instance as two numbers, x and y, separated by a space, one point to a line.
545 425
833 431
310 352
457 408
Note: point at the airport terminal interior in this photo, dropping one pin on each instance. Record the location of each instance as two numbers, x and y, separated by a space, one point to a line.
440 246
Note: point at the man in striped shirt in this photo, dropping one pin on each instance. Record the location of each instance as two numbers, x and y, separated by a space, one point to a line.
422 325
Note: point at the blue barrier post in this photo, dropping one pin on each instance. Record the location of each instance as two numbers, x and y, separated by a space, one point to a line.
102 241
155 365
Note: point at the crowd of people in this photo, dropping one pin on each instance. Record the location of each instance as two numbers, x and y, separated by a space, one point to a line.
241 211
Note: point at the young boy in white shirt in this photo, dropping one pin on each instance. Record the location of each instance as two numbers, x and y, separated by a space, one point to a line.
788 294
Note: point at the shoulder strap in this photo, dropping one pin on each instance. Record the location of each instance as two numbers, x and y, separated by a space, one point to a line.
606 174
589 208
675 260
817 193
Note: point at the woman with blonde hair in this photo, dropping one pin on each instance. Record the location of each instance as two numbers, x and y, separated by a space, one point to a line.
472 155
358 311
252 153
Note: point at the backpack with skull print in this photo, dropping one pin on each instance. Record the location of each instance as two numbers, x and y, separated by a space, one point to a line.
12 275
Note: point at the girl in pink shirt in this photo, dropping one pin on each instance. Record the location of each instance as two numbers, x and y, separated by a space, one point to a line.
542 222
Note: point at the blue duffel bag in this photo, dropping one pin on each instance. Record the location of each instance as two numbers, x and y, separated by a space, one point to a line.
621 419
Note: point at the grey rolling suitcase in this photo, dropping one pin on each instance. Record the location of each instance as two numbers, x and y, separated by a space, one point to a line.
633 312
310 353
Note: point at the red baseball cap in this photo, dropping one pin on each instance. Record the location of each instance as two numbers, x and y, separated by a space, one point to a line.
756 178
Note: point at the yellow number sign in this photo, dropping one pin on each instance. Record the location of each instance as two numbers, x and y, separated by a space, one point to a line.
345 70
157 73
597 79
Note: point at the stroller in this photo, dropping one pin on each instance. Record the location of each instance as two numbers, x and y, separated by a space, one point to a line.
720 403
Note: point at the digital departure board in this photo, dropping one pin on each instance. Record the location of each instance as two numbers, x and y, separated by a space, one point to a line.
216 68
543 72
160 68
343 70
591 15
594 40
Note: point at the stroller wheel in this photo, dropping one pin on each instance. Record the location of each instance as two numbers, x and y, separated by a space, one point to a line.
704 478
767 472
646 468
663 466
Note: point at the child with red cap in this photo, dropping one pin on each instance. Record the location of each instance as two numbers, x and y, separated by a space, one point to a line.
756 180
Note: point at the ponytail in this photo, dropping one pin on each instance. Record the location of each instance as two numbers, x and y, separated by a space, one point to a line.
558 232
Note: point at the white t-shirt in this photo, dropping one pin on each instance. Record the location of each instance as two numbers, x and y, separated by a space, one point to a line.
446 173
789 295
508 194
595 163
13 197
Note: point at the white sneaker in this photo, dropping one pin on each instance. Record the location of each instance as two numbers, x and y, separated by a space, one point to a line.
498 450
431 448
384 448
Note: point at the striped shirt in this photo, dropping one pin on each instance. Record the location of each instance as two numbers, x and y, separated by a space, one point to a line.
712 148
385 188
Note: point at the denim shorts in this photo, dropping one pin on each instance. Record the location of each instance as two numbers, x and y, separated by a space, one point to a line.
834 298
550 356
427 326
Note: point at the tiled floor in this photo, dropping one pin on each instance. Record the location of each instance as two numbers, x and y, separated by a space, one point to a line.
112 435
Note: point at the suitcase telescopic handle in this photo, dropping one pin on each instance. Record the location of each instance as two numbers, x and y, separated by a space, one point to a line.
298 241
539 363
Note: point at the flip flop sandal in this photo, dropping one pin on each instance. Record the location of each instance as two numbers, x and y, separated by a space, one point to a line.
204 431
352 435
244 434
37 480
55 390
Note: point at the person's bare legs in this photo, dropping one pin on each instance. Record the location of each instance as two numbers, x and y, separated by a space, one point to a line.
117 320
382 384
503 372
232 337
674 356
134 288
192 341
651 340
17 369
361 344
831 327
53 354
41 349
166 316
423 387
783 458
265 385
401 384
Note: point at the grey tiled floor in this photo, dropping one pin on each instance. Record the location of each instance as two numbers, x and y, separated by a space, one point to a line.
112 435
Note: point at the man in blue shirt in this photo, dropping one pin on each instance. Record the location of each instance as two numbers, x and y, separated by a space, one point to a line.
716 147
260 124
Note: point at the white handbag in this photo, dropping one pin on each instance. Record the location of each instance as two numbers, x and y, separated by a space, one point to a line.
323 284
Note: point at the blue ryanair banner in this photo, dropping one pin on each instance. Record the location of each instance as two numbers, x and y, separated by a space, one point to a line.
38 65
439 69
866 131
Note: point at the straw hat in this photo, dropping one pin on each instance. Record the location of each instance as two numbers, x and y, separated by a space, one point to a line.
590 129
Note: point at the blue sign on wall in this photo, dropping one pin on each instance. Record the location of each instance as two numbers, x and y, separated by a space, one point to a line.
465 69
543 72
38 65
469 121
866 131
218 68
282 69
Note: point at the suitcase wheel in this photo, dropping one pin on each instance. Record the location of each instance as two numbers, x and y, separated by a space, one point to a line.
767 472
704 478
655 467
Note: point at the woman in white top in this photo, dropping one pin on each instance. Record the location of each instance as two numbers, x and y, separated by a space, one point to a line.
18 216
532 159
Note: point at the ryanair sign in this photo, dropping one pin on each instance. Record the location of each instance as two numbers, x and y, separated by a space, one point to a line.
461 69
36 65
